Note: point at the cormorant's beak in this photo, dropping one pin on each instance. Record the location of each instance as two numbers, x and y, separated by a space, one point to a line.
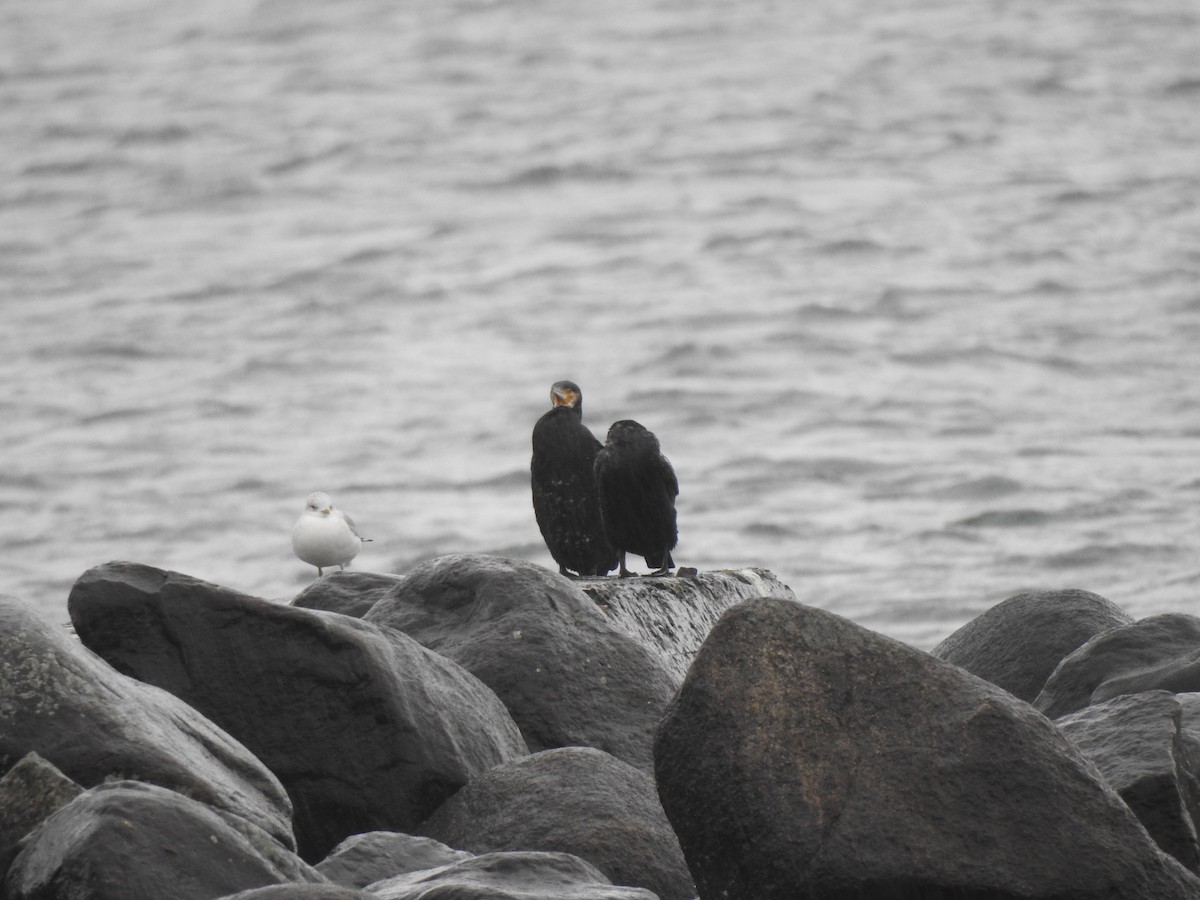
562 397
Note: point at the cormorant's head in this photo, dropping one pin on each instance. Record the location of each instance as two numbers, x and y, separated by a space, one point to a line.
627 431
319 502
566 393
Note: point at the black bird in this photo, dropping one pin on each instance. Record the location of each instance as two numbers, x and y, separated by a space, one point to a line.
562 475
637 496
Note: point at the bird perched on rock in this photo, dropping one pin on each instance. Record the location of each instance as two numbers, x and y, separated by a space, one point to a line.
637 488
563 479
324 536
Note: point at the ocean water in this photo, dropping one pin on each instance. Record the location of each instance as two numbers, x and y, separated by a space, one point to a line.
909 291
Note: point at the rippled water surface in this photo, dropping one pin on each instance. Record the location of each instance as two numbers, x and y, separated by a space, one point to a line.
910 292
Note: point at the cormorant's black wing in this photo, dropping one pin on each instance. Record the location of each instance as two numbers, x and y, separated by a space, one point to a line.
565 501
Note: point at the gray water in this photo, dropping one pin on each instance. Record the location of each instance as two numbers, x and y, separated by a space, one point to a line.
909 291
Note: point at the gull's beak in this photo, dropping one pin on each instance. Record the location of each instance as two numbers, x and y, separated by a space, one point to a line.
326 510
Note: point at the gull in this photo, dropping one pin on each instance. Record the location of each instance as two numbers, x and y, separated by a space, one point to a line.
324 536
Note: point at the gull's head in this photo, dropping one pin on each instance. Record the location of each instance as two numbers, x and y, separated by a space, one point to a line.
565 393
318 502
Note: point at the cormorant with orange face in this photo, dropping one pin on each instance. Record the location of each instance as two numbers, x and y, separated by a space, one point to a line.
562 476
637 489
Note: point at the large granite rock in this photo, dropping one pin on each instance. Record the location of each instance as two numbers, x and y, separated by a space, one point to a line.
675 615
65 703
365 728
575 800
1160 652
304 892
568 675
126 840
349 593
807 756
30 792
1018 642
362 859
508 876
1136 743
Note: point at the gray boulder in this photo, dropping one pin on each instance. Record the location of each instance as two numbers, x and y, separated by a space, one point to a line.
365 728
808 757
1135 742
508 876
362 859
65 703
131 841
675 615
304 892
30 791
567 674
576 800
1018 642
1156 653
349 593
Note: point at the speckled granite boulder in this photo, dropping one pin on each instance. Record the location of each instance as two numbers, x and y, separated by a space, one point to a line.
1157 653
508 876
576 800
365 728
675 615
807 756
1018 642
568 675
349 593
1136 743
131 841
362 859
65 703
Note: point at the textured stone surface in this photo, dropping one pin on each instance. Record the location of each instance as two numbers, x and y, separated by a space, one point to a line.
29 792
1135 742
674 615
807 756
365 858
131 841
508 876
575 800
567 674
1159 652
1018 642
60 700
365 728
348 593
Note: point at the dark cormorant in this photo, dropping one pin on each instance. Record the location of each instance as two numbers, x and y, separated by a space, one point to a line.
637 496
563 479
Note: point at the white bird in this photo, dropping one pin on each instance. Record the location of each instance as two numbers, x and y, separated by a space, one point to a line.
324 536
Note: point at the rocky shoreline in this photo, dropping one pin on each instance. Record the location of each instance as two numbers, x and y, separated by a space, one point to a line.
485 728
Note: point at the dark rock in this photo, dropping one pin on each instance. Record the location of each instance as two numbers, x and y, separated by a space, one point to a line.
302 892
31 791
60 700
1161 652
1017 643
509 876
1189 729
131 841
1135 742
575 800
364 727
366 858
348 593
675 615
568 675
805 756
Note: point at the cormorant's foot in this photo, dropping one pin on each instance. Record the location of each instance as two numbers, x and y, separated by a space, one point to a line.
625 573
661 573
